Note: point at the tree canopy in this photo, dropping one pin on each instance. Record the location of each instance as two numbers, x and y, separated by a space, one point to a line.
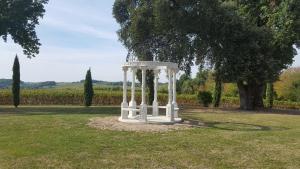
141 35
249 42
18 18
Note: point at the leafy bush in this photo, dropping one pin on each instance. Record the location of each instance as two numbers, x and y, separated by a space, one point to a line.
183 78
269 95
235 102
205 98
230 101
288 86
163 88
187 87
230 90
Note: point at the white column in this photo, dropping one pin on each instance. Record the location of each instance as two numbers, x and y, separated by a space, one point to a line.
143 86
170 107
155 102
170 86
124 105
132 103
174 95
143 104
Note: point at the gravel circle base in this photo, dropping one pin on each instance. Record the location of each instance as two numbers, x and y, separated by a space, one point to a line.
112 123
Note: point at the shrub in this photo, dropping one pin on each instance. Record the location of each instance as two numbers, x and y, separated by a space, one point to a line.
217 93
230 90
187 87
205 98
269 95
288 86
163 89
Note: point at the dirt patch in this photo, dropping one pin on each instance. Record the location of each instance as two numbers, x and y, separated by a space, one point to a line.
112 123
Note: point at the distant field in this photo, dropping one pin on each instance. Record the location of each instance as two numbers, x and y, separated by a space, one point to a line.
73 96
58 137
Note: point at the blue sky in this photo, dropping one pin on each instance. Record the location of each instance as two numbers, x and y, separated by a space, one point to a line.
75 35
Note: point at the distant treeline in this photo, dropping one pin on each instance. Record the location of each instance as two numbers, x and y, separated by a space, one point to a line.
105 83
6 83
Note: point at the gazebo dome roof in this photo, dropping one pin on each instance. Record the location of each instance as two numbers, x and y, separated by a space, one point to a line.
153 65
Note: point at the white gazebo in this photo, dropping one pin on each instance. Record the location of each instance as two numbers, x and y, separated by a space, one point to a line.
132 113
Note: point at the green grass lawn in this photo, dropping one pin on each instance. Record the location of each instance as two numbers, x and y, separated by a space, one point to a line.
58 137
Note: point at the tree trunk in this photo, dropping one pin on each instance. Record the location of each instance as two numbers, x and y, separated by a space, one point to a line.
251 95
149 84
218 79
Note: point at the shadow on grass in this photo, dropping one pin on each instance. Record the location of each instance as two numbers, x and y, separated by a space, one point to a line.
115 111
58 110
233 126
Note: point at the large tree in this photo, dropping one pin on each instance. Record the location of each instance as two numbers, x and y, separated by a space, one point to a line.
223 34
281 19
18 18
139 34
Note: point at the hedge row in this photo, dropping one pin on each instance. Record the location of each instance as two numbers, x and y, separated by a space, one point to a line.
235 102
75 97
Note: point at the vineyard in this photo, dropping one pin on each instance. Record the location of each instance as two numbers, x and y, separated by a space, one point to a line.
74 96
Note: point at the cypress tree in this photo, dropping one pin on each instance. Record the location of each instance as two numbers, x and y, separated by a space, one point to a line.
16 82
88 89
218 86
269 95
217 93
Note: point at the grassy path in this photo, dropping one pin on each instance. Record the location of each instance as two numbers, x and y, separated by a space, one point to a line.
58 137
